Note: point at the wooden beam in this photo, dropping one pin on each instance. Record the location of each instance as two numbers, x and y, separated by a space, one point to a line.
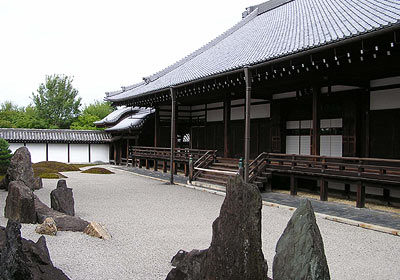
315 146
293 185
247 74
360 195
173 132
323 189
227 119
156 126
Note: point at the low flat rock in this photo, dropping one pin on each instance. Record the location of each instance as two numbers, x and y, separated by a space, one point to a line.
20 204
235 252
48 227
63 221
25 259
300 250
62 198
98 230
20 169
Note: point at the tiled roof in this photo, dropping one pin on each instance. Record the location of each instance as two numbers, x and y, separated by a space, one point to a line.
54 135
116 115
269 32
133 122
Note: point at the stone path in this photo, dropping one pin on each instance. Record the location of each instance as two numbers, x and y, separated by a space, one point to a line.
364 215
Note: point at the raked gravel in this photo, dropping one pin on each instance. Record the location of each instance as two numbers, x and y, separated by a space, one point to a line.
150 221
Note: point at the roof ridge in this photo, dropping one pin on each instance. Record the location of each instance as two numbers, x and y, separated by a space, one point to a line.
202 49
50 129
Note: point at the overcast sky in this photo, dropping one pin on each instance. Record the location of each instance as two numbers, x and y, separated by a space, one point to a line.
103 44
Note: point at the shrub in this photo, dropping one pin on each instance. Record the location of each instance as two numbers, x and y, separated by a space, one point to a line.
5 155
98 170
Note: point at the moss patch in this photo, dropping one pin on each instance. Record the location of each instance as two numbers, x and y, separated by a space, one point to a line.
80 165
2 176
51 169
98 170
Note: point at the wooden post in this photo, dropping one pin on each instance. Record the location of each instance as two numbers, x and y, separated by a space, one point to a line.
156 126
247 74
347 190
164 167
47 151
120 153
191 169
115 153
227 119
140 163
147 164
316 122
127 152
69 153
186 166
386 196
173 132
367 124
90 160
360 195
293 185
155 165
323 189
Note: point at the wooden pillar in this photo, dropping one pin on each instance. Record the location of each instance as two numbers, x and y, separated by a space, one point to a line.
147 164
127 152
120 153
89 147
69 153
316 122
293 185
155 165
164 167
140 163
115 153
247 74
173 132
347 190
47 151
360 195
367 124
323 189
227 119
156 127
186 166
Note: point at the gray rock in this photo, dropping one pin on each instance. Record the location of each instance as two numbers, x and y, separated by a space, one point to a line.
235 250
20 204
20 169
63 221
23 259
300 250
62 198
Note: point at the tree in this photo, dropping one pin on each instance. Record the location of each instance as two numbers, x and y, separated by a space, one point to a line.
5 155
57 101
94 112
9 114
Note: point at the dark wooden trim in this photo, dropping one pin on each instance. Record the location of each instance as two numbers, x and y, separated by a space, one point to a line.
247 74
323 186
173 132
293 185
47 151
315 143
227 119
89 147
394 86
69 153
360 195
156 126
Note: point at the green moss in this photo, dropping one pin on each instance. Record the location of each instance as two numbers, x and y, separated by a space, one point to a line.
56 166
80 165
51 176
1 177
98 170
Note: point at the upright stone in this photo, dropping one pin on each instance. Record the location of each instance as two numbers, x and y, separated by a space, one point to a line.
20 169
235 251
62 198
25 259
20 203
300 250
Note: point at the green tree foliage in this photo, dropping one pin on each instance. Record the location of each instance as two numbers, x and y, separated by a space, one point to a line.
94 112
57 101
12 116
5 155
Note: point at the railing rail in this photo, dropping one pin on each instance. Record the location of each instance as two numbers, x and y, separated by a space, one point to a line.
351 168
180 154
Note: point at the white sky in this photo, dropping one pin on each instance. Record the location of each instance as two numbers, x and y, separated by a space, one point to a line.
103 44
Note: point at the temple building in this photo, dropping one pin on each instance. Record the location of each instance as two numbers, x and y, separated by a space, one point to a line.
304 89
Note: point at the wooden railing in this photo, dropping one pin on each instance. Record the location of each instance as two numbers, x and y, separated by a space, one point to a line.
202 163
371 170
180 155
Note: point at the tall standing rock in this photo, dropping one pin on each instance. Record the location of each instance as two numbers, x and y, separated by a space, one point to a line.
25 259
235 251
300 250
20 203
62 198
20 169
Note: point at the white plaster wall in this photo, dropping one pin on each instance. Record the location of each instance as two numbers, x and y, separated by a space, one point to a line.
385 81
284 95
99 152
385 99
58 152
237 102
215 115
15 146
79 153
305 142
292 144
260 111
237 113
215 105
37 150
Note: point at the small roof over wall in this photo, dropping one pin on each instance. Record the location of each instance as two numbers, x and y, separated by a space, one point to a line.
116 115
132 122
22 135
